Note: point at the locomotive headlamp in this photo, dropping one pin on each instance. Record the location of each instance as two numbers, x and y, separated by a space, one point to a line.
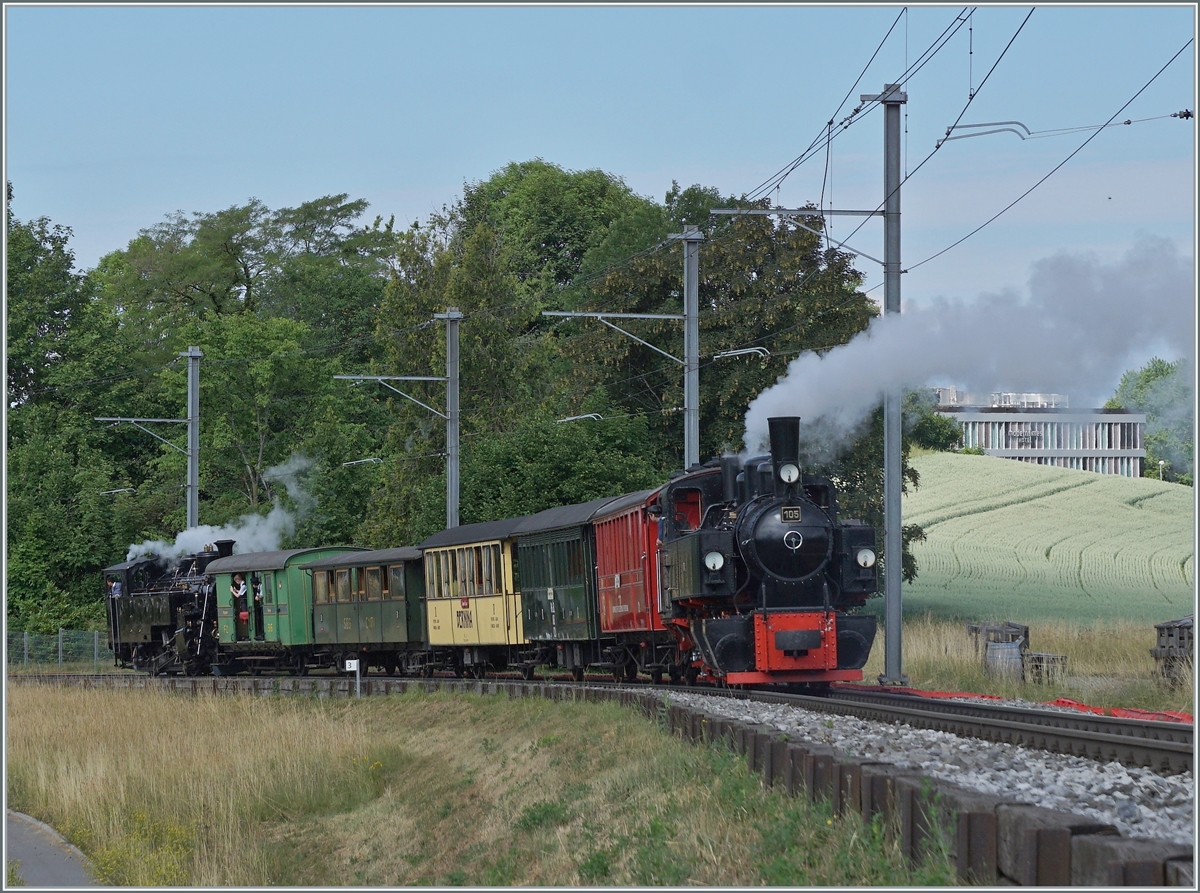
866 558
789 473
714 561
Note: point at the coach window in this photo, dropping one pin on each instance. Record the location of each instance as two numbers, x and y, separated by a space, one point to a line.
489 574
268 589
395 580
444 579
466 571
374 584
342 585
320 587
360 584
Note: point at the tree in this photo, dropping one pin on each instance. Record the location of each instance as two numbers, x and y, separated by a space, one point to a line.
548 218
1163 391
44 296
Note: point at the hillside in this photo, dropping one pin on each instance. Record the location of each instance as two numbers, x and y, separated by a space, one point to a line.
1009 540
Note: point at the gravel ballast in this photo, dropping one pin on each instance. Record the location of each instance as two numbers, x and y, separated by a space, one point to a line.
1140 803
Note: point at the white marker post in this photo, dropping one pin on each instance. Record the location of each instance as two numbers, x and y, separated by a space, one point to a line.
352 664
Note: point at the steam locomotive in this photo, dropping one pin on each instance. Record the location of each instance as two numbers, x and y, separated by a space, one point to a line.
737 572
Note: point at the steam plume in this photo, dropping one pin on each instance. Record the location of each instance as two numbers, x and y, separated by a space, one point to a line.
251 532
1084 323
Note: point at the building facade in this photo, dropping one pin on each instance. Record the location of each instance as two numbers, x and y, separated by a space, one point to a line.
1106 441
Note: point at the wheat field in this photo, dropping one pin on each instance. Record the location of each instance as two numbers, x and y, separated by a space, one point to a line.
1007 540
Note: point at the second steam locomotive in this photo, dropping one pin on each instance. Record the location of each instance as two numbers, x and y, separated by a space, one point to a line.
737 572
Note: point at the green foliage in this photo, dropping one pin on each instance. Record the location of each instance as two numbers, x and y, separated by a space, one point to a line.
44 297
1163 391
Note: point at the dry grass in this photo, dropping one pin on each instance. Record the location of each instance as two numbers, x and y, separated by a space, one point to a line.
423 789
1108 663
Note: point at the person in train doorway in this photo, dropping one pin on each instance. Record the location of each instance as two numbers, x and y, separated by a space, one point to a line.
256 588
241 615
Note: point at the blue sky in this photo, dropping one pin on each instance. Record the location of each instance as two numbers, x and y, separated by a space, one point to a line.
118 115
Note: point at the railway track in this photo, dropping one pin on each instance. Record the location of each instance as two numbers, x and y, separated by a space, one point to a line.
1162 746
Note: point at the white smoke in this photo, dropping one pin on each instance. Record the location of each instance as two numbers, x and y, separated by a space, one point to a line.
1084 323
251 532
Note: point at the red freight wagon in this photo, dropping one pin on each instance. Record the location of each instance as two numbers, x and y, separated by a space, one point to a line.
627 584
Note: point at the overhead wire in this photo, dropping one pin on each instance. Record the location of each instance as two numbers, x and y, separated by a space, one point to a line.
1080 148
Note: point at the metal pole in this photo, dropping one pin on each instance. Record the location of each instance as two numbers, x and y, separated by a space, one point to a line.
452 317
96 651
26 635
893 673
60 631
193 450
691 345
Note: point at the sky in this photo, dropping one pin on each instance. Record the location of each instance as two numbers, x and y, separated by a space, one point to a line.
116 116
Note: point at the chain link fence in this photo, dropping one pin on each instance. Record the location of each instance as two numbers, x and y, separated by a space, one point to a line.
68 651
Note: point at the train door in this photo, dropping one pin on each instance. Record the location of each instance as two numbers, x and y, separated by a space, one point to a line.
394 609
324 609
370 610
239 593
267 609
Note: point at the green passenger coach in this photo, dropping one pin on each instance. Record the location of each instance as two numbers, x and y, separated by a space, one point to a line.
264 610
370 606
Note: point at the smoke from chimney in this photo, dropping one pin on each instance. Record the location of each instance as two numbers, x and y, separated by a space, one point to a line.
1085 321
252 532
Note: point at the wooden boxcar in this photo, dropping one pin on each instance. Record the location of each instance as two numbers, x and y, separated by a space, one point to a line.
630 618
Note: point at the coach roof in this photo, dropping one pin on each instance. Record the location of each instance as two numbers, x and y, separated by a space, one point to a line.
484 531
375 556
261 561
562 516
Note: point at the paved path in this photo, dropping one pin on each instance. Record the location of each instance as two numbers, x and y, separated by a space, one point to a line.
46 859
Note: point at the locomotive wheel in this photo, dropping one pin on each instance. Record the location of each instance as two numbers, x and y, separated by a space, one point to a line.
577 674
656 677
631 671
690 675
618 674
527 671
299 666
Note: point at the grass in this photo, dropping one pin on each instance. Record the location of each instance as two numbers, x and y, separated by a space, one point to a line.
1027 542
12 876
432 790
1108 662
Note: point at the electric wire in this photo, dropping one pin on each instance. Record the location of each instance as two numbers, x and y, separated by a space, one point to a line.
1100 130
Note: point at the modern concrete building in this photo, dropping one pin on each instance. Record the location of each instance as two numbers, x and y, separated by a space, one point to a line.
1039 428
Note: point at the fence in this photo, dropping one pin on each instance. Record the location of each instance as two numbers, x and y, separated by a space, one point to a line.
77 650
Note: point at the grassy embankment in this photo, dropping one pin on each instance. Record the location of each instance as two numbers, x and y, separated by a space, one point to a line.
421 789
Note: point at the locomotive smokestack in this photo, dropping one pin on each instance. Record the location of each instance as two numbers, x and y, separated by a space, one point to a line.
224 548
730 466
785 453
